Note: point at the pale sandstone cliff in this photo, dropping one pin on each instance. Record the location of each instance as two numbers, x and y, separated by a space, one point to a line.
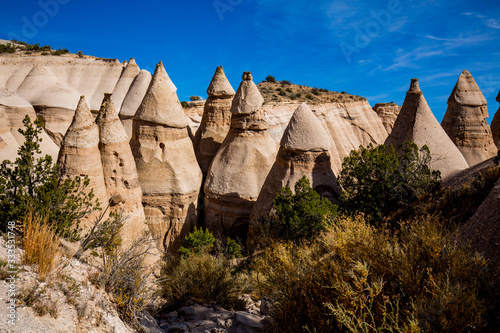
388 112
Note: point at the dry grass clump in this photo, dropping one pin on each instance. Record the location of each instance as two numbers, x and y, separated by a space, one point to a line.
358 278
40 244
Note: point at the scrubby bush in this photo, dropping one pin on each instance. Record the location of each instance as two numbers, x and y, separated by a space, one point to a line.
60 52
233 249
271 79
184 104
198 241
35 182
376 181
194 98
7 48
358 278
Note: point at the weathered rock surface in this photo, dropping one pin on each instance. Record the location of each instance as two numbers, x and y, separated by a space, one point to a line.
125 81
168 171
483 228
216 120
120 173
495 125
241 165
388 112
80 156
305 151
465 121
133 99
417 122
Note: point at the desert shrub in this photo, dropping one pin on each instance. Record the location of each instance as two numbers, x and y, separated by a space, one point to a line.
288 90
79 54
7 48
203 278
270 78
194 98
376 181
60 52
309 96
299 95
301 215
4 270
282 92
361 279
285 83
198 241
184 104
35 182
123 270
233 249
40 244
315 91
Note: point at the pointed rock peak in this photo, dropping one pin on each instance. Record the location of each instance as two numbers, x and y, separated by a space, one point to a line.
82 132
161 72
414 86
220 86
305 132
161 104
248 99
124 63
111 128
498 96
466 91
131 61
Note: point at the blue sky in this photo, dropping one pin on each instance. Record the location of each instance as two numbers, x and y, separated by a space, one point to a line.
367 48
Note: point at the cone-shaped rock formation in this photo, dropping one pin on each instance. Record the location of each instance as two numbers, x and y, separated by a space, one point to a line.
168 171
465 121
128 75
417 122
216 120
495 125
133 99
241 165
305 151
120 173
79 154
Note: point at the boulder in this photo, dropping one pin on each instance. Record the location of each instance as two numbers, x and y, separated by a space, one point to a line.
465 121
495 125
80 156
304 151
120 173
388 112
240 166
168 171
417 122
216 120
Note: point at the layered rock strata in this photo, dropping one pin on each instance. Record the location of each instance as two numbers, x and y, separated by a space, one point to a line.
495 125
465 121
120 173
417 122
388 112
216 120
168 171
304 151
80 156
241 165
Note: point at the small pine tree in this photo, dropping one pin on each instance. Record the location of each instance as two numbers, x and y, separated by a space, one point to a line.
198 241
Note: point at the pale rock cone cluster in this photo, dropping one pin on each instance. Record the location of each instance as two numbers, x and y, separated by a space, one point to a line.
465 121
304 151
127 77
80 155
241 165
417 122
388 112
495 125
216 120
120 173
168 171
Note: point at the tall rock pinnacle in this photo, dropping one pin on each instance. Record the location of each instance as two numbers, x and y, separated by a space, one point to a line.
240 166
128 75
417 122
465 121
216 120
120 173
304 151
80 155
166 163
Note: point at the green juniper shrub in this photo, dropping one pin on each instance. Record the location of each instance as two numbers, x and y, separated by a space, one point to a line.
271 79
233 249
35 182
184 104
198 241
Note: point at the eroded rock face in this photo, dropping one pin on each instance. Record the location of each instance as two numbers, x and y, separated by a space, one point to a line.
465 121
417 122
241 165
216 120
120 173
495 125
388 112
168 171
79 155
304 151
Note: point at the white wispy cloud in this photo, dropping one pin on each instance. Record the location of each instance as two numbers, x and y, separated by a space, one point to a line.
487 21
492 23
